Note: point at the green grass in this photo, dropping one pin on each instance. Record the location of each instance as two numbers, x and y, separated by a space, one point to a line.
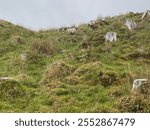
62 74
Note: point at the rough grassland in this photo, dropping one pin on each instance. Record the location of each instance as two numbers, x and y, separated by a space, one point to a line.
54 71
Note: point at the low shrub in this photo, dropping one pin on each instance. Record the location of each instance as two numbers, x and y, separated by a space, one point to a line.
134 104
46 47
56 71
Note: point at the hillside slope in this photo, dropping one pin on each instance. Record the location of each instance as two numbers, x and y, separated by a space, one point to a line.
53 71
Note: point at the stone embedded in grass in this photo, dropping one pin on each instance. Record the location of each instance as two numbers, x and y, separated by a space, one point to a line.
23 57
6 78
146 14
140 85
111 36
130 24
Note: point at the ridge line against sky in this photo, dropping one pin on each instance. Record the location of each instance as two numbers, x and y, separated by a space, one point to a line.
44 14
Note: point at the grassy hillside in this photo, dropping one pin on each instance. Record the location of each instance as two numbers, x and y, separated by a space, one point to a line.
53 71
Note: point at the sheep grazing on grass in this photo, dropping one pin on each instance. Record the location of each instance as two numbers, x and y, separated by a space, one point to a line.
111 36
71 31
130 24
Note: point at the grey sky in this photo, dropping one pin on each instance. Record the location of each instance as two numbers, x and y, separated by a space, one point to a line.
40 14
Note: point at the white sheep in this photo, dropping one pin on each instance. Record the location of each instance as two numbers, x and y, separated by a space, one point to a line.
71 30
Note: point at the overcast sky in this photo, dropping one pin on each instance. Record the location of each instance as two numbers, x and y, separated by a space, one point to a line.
40 14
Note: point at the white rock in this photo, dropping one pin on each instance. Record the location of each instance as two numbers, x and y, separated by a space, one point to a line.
138 83
130 24
71 30
6 78
147 13
23 57
111 36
